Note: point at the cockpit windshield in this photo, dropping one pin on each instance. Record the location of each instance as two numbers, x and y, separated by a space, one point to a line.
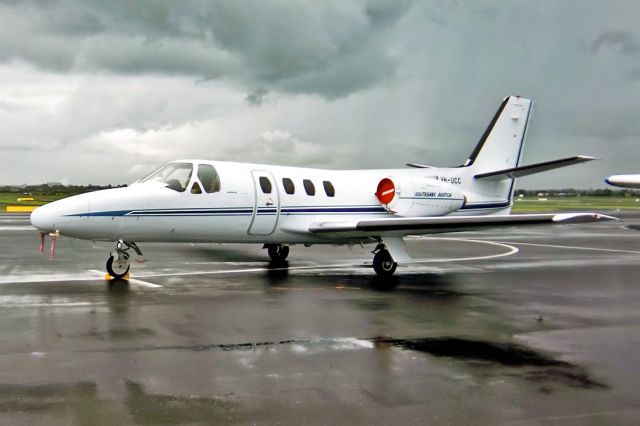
175 175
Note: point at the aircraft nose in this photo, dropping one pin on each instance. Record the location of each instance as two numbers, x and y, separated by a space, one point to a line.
43 218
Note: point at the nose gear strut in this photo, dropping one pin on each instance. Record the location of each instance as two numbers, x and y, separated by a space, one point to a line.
118 262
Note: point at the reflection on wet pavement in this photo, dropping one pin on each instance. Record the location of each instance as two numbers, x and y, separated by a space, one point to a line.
80 403
153 409
77 401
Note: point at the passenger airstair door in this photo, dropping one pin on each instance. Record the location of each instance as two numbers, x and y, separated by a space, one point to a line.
267 204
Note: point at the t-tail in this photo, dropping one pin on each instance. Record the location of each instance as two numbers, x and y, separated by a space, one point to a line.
494 164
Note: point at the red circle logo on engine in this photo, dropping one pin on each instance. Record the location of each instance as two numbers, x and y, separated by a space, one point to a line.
386 191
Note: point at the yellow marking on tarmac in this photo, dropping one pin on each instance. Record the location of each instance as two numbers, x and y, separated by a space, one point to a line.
21 209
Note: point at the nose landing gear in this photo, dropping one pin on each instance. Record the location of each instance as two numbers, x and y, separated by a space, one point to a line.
118 262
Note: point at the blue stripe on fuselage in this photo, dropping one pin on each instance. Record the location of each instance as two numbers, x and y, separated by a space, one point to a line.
234 211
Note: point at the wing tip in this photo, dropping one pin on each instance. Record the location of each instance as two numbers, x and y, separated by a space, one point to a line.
587 157
581 217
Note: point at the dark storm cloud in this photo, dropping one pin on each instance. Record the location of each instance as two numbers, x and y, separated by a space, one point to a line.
336 83
121 37
621 41
257 97
328 48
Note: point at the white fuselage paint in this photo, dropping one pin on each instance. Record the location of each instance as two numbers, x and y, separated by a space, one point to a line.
241 213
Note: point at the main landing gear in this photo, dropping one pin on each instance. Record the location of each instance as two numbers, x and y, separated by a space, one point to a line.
118 263
383 263
277 252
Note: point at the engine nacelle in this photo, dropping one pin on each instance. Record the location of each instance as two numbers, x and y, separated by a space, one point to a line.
409 196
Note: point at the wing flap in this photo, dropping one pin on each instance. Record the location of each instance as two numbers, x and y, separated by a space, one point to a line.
428 225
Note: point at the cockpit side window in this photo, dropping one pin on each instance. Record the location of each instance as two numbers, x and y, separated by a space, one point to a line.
175 175
209 178
195 188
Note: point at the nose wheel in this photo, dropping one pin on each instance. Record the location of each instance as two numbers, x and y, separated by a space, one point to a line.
118 263
118 268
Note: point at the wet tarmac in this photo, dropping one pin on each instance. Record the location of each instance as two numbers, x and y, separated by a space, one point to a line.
517 326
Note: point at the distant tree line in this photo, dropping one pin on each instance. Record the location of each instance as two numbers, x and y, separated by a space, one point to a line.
54 188
572 192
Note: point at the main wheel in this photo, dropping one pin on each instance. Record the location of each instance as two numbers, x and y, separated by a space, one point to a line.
116 270
384 264
278 252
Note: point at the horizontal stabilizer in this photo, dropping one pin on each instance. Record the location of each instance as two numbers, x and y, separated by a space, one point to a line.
419 166
530 169
432 225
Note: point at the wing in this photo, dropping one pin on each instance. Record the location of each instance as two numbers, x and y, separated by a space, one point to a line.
432 225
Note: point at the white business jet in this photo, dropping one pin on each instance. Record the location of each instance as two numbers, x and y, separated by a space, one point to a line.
223 202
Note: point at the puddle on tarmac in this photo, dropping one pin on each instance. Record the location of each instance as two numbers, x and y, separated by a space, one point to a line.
519 361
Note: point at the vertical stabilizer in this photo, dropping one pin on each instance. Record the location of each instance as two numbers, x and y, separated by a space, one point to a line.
500 146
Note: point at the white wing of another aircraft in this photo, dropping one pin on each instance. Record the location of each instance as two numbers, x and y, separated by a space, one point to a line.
624 181
213 201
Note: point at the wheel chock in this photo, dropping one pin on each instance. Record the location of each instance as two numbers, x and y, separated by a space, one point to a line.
108 277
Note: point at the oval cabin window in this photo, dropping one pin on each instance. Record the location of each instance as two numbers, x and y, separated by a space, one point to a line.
308 187
288 185
329 189
265 184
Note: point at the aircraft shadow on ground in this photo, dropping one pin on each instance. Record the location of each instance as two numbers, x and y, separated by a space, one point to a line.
118 287
435 285
224 254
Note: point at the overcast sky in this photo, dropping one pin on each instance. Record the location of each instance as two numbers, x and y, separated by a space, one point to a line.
102 92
